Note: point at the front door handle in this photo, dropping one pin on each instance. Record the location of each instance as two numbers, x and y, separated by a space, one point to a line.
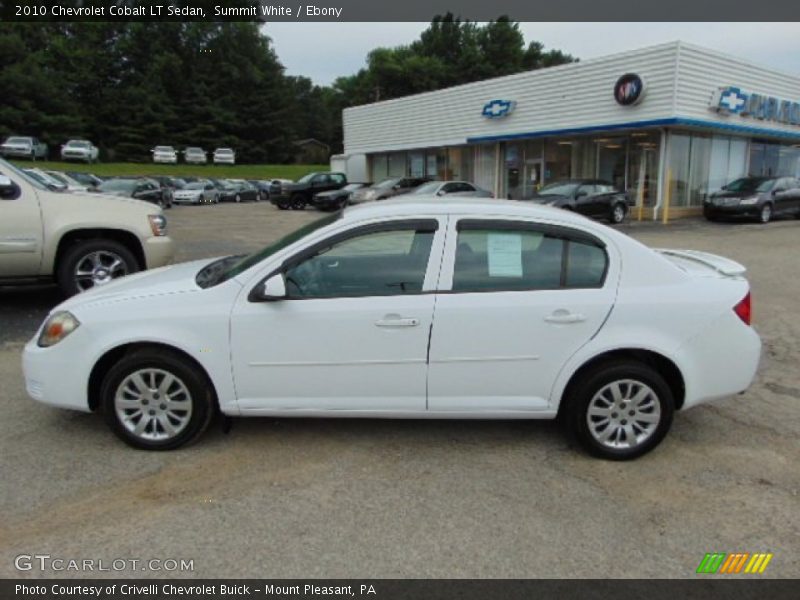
396 322
565 317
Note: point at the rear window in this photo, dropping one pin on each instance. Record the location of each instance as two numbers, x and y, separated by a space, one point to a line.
516 256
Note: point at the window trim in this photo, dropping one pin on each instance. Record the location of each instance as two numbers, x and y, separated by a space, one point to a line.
565 234
427 225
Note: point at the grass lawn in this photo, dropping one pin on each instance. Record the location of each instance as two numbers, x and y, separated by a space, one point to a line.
293 172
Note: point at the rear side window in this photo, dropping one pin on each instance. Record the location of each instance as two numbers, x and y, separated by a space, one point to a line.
513 256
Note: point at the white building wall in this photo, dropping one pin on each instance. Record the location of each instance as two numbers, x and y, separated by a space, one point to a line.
701 72
568 96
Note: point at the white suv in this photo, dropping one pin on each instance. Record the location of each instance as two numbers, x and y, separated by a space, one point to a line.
224 156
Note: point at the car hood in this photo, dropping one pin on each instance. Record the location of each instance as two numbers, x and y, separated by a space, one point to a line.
172 279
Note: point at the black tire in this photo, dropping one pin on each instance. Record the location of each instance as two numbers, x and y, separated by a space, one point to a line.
200 396
580 396
765 214
298 202
80 251
284 204
618 213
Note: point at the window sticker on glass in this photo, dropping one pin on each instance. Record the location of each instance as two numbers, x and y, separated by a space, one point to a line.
505 254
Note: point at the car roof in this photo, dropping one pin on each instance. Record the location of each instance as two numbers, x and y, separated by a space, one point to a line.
413 206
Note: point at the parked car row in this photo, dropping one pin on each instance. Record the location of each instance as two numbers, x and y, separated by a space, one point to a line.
193 155
31 148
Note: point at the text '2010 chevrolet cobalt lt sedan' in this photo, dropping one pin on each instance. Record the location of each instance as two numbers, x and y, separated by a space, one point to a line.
418 308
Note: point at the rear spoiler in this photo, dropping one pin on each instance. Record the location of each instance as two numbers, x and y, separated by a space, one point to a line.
720 264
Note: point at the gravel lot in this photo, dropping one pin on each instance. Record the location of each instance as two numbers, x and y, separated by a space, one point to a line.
355 498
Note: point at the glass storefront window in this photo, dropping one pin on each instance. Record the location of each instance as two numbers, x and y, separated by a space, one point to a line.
643 149
485 157
397 164
611 159
557 160
380 167
699 169
416 164
678 169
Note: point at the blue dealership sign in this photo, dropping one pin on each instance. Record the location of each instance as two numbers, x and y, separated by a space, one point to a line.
495 109
732 100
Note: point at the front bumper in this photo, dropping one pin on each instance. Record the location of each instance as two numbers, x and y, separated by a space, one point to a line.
165 160
53 376
18 152
75 156
746 210
158 251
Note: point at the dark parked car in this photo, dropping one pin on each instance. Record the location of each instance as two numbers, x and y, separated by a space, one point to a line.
337 199
142 188
591 197
237 191
759 198
388 188
299 194
263 187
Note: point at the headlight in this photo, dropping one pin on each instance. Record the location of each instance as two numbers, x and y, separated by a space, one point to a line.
56 328
158 224
750 200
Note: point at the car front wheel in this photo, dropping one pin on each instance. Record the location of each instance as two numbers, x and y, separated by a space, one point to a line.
620 410
154 399
93 263
765 215
618 213
298 202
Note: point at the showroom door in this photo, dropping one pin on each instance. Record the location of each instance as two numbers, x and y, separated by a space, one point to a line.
352 333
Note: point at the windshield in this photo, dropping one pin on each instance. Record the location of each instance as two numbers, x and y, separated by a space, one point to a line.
117 185
7 169
224 151
18 140
78 144
559 188
164 149
197 185
750 184
194 151
387 183
307 178
428 188
240 266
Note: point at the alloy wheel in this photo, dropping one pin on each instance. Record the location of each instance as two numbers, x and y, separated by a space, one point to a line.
766 213
618 214
153 404
623 414
98 268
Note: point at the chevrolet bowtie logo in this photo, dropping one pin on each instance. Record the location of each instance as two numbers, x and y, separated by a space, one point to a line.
498 108
732 99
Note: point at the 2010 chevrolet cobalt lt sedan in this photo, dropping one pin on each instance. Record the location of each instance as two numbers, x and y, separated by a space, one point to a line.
417 308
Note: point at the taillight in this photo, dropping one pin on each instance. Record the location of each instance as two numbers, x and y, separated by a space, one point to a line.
744 309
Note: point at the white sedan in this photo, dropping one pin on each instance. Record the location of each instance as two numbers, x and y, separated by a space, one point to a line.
79 150
165 154
411 308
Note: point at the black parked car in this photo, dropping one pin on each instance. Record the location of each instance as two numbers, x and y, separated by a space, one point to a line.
299 194
142 188
262 186
336 199
237 191
591 197
760 198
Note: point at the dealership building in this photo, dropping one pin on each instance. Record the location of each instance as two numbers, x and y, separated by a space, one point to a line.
668 123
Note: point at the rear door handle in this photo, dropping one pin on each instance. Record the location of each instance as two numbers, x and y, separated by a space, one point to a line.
396 322
564 317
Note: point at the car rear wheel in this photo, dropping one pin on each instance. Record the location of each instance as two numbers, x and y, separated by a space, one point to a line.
93 263
154 399
620 410
618 213
766 213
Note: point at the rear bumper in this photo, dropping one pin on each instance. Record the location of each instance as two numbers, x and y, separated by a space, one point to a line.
721 361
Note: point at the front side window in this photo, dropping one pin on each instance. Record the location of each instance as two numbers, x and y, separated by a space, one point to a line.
385 262
516 256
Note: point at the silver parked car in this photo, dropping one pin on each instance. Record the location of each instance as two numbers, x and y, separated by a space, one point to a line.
80 150
195 156
452 188
224 156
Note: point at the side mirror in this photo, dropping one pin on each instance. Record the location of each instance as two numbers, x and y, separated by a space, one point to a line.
270 290
8 189
441 193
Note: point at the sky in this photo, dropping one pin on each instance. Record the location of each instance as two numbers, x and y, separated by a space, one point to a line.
325 51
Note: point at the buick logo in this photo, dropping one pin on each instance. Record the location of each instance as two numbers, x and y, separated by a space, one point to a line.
629 89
